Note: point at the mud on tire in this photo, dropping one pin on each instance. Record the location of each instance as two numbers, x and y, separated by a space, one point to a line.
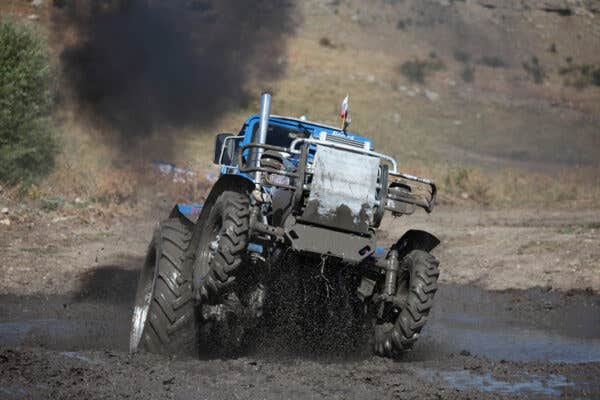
399 333
229 221
164 319
217 256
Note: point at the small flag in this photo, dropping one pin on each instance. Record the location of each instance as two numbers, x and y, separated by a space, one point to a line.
344 112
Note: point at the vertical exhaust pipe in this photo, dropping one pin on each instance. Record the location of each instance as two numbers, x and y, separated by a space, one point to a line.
261 135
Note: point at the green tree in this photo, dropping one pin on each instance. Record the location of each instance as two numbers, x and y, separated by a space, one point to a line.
27 140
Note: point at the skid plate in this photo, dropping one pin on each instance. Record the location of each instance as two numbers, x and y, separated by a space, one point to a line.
323 241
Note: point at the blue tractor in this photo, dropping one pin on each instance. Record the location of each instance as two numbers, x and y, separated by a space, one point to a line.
295 213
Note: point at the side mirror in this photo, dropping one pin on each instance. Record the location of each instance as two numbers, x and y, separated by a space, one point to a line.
227 152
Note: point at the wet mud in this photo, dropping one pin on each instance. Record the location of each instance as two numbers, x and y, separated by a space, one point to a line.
478 344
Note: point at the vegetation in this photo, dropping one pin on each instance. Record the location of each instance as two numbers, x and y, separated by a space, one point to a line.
326 42
468 74
416 71
535 70
468 183
27 143
402 24
581 76
493 62
462 56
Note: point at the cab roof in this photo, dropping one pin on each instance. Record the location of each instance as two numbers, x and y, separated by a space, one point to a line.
316 126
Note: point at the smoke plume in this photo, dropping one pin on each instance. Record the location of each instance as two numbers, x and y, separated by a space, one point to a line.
138 66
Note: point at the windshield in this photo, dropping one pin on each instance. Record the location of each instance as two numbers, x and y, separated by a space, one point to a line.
280 136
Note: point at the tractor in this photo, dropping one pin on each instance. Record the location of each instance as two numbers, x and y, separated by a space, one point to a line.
288 233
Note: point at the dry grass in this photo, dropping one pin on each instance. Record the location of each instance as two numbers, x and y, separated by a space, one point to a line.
519 142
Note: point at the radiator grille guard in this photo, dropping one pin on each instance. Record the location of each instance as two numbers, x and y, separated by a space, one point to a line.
343 188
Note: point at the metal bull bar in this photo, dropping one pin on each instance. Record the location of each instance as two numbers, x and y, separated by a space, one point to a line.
425 201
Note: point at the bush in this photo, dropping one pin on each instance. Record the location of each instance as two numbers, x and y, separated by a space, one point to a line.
468 184
326 42
416 71
462 56
27 143
535 70
493 62
468 74
581 76
403 24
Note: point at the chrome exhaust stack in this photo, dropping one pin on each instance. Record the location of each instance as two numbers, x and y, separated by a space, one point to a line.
261 134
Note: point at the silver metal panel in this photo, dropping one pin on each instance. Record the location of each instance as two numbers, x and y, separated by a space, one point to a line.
343 189
346 141
296 142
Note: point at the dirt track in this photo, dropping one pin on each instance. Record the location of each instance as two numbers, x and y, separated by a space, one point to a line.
64 335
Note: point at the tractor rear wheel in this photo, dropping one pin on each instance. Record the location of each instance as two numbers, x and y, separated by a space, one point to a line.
164 316
417 284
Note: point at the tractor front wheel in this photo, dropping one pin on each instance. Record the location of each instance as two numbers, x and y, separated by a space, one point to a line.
224 294
417 284
223 241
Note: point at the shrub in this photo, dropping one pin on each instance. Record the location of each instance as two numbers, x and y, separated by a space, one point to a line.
535 70
416 71
403 24
326 42
468 74
468 183
493 62
27 143
462 56
581 76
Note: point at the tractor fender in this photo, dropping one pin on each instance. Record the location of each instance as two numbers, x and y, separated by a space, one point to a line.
194 212
226 182
186 212
415 240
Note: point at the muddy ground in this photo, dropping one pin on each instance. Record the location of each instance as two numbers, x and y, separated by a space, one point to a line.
517 315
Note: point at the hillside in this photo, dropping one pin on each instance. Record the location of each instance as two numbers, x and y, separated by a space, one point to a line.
501 116
508 91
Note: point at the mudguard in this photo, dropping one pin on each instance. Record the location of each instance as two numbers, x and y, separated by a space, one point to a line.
238 183
193 212
415 240
187 211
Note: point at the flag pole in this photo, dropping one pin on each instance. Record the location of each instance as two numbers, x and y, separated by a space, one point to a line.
345 111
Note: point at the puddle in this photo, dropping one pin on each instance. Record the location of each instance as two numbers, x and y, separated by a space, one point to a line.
499 340
493 325
13 392
551 385
81 357
487 324
61 334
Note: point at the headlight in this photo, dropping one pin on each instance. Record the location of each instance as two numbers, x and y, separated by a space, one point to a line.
279 179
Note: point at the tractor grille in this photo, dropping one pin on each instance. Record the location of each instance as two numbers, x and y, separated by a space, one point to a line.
343 189
345 140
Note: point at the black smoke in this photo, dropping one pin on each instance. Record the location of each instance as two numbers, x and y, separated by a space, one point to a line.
140 66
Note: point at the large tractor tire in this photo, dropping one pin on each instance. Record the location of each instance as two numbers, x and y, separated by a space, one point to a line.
164 316
417 286
219 252
223 242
